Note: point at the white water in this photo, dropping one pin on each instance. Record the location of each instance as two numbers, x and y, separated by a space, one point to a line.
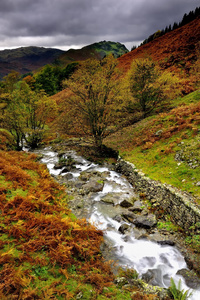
142 255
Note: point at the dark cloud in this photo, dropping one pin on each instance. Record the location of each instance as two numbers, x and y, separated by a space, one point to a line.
66 23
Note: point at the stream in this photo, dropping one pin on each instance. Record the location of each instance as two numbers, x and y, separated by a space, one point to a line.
99 192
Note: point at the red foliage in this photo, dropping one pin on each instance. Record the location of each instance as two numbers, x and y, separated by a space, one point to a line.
177 46
37 233
176 51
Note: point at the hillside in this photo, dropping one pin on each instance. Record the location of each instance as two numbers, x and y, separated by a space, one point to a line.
177 48
26 59
96 50
166 146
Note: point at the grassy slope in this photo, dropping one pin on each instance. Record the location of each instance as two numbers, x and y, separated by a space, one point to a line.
166 147
45 252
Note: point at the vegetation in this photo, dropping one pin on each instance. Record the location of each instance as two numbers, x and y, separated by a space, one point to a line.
176 291
149 86
95 88
25 113
45 252
50 78
165 146
105 48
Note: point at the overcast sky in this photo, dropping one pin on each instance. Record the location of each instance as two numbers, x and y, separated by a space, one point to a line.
68 24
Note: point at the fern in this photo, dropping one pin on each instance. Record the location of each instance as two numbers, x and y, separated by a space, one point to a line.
176 291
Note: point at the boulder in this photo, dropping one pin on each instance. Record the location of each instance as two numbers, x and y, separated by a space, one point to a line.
148 221
129 217
190 277
123 228
140 233
68 176
92 186
126 203
137 206
117 198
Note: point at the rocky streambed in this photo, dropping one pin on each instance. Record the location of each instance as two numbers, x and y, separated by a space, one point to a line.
131 234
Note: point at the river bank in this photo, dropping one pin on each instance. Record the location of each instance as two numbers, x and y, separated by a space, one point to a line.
161 236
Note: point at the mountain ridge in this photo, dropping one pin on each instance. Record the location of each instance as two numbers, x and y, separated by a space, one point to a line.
29 59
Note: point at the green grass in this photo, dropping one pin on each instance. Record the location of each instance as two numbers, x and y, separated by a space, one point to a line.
188 99
155 156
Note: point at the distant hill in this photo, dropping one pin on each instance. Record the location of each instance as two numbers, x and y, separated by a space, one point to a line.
96 50
28 59
176 49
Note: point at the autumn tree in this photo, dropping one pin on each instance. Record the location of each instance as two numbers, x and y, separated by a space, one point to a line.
92 103
150 86
25 115
10 81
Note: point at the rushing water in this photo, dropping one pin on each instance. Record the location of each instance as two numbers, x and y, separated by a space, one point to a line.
142 255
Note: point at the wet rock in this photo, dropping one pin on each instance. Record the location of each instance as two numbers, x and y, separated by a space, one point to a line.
91 174
118 218
127 238
68 176
137 206
116 198
160 239
148 221
79 184
140 233
130 217
92 186
166 242
65 170
126 203
149 277
59 165
110 198
123 228
190 277
153 277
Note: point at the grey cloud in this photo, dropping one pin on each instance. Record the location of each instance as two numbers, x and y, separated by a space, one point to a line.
74 22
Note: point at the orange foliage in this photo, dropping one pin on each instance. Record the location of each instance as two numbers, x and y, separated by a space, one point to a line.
176 51
180 119
169 49
42 232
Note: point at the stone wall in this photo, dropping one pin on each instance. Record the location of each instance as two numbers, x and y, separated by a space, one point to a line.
181 206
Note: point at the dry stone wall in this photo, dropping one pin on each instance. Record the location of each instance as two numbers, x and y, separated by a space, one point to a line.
181 206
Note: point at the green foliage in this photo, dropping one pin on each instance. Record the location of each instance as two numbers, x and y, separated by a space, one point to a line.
26 113
47 80
168 225
50 78
176 291
194 242
105 48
